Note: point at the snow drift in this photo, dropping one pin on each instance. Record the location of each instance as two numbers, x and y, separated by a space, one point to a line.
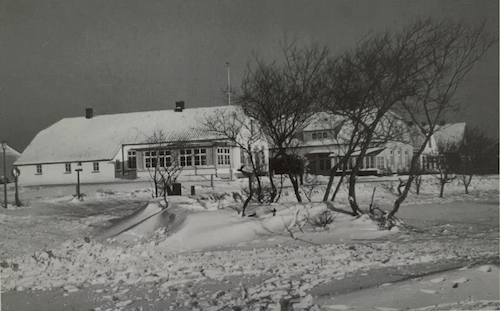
141 224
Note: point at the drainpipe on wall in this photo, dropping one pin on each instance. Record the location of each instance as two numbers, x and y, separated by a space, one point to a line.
214 156
231 163
123 162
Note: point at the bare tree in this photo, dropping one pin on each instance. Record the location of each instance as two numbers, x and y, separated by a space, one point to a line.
416 139
282 97
443 52
418 178
473 155
365 84
162 164
233 125
446 164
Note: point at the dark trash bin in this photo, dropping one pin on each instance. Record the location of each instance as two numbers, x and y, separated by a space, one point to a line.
176 189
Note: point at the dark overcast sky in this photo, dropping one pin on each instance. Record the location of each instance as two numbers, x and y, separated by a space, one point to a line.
58 57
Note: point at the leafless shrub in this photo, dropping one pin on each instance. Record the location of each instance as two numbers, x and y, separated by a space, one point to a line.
310 187
163 167
323 219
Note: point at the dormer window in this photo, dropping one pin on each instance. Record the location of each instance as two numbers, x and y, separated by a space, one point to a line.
319 135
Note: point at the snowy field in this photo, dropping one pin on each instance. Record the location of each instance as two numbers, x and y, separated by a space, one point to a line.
119 249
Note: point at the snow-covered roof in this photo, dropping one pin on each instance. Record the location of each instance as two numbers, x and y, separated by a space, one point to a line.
451 133
11 155
100 138
391 126
323 121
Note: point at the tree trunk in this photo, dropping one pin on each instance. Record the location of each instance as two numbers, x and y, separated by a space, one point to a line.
441 190
339 184
295 185
333 170
250 195
418 181
401 185
259 189
352 195
401 198
467 180
274 190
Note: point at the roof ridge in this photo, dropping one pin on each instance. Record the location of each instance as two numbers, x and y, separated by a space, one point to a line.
148 111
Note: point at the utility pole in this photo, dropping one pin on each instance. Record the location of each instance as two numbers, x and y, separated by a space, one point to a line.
228 85
78 170
4 179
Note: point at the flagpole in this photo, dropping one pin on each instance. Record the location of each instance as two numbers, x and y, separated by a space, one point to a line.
228 85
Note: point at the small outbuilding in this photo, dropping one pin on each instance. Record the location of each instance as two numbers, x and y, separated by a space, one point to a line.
11 156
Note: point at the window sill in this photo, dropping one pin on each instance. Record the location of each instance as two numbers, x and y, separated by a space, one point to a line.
38 173
67 172
95 172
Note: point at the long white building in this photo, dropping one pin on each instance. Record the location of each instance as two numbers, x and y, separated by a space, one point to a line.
108 148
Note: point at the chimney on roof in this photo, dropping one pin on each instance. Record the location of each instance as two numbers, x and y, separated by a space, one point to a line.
179 106
89 113
424 124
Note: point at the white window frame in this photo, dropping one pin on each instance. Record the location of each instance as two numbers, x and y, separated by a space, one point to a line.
324 164
185 157
370 162
160 158
165 157
380 162
223 156
95 166
39 170
150 159
67 168
132 159
200 156
319 135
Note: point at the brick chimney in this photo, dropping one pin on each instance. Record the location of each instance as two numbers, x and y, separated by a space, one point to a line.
179 106
89 113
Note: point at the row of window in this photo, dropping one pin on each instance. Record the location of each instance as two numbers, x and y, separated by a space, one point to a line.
400 158
184 157
368 162
319 135
67 168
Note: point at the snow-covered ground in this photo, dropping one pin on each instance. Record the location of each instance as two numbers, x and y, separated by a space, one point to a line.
200 254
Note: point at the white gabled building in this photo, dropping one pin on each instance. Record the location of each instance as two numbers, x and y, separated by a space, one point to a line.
118 146
324 142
